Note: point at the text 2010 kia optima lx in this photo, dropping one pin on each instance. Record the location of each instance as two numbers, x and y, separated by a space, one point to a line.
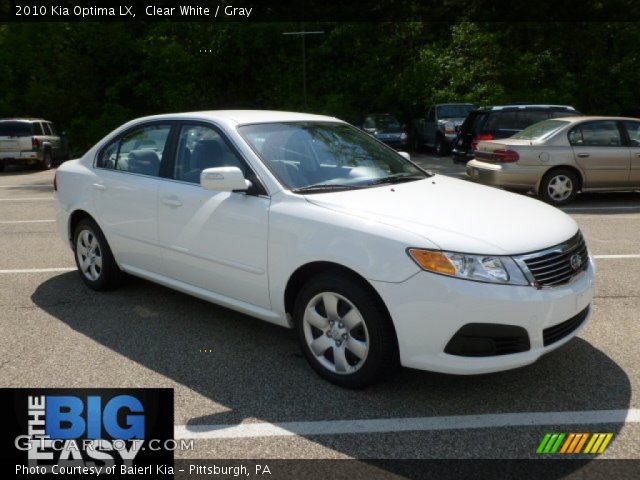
307 222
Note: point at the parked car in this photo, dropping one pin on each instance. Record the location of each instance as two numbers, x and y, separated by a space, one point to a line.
386 128
309 223
490 123
558 158
31 141
438 129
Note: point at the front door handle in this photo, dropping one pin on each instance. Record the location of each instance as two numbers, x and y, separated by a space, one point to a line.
583 155
172 202
100 187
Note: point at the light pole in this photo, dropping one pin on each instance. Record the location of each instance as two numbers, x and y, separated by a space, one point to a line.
304 34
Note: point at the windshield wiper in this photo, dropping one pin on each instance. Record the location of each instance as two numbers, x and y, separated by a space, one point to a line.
396 179
324 187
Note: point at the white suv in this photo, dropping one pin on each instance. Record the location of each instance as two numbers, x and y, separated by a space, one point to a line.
31 141
309 223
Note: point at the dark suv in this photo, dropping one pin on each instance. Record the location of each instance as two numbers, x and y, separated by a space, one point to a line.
490 123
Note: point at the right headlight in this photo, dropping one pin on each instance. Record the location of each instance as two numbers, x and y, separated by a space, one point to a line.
480 268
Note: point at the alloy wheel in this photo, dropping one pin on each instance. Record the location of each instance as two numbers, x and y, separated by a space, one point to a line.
89 255
336 333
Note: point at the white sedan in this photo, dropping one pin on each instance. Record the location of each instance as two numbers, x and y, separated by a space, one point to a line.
307 222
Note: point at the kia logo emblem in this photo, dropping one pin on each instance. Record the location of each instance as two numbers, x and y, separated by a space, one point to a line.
576 261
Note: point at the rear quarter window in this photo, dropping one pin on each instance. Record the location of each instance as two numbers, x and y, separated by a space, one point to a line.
473 122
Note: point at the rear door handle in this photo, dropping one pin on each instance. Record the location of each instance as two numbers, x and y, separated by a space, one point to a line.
172 201
100 187
583 155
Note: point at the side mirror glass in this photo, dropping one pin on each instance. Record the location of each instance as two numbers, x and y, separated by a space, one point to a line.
224 179
405 155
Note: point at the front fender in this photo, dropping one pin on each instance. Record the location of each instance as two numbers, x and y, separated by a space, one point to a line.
301 233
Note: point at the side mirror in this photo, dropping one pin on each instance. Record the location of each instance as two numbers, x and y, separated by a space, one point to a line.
405 155
63 134
224 179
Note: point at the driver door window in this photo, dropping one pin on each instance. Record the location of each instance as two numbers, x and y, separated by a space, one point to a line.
201 147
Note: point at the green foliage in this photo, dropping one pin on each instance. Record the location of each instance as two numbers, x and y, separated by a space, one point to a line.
89 77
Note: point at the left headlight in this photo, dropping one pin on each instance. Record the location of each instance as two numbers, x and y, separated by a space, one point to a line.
403 136
480 268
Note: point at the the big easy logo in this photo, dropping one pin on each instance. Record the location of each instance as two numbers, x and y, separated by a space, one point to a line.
90 426
69 427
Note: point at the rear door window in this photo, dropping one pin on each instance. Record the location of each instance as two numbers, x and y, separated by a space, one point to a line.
138 151
37 129
596 134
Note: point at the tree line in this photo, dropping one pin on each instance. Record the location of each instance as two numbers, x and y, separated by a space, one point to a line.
89 77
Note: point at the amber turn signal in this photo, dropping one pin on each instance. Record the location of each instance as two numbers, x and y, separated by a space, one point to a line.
432 261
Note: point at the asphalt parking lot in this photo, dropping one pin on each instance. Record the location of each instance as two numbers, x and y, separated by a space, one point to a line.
242 389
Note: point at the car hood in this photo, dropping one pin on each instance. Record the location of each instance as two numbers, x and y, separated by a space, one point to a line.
457 215
397 131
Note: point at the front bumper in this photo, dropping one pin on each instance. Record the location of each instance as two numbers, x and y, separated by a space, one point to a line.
428 309
517 177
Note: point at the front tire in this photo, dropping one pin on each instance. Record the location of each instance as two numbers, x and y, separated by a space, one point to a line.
559 187
344 332
96 265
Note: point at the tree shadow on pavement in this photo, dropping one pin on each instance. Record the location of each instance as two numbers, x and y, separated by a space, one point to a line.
255 369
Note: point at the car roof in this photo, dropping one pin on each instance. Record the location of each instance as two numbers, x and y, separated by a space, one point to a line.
522 106
582 118
23 120
239 117
443 104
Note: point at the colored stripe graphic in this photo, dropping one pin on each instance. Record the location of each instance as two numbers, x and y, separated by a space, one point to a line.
543 443
573 443
565 447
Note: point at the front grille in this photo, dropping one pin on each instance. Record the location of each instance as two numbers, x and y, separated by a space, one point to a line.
558 265
558 332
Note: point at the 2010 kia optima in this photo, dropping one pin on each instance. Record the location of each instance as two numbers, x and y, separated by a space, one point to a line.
307 222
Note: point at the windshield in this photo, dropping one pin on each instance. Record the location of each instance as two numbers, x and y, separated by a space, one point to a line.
15 129
454 111
386 122
540 130
326 156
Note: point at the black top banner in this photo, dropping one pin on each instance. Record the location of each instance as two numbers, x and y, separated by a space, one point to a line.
317 10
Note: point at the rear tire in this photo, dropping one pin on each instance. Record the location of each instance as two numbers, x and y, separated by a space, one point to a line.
47 161
441 147
559 187
344 332
2 165
96 265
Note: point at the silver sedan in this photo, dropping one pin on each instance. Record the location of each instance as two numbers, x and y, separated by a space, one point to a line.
558 158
